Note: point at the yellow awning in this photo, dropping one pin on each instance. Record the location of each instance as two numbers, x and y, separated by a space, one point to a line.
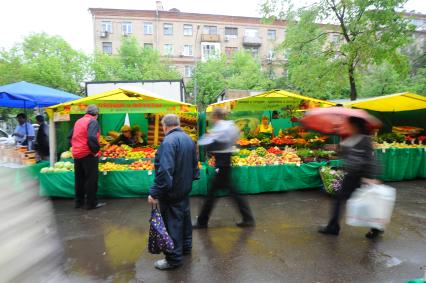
270 100
122 100
391 103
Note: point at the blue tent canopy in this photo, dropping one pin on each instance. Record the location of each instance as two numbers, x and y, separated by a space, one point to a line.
28 95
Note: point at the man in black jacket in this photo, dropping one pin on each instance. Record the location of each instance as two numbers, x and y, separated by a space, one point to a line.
42 139
176 166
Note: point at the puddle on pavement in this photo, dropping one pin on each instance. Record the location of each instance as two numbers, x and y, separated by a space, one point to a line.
380 259
114 250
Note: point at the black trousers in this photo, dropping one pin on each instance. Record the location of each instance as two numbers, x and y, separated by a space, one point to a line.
177 218
222 180
86 180
349 185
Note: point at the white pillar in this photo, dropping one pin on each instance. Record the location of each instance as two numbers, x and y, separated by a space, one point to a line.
52 141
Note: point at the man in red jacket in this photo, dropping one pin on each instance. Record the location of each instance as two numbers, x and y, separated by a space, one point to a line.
85 149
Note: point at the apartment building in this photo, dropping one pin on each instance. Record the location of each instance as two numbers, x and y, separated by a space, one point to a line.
419 35
187 38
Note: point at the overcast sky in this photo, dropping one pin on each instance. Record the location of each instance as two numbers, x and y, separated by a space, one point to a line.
71 19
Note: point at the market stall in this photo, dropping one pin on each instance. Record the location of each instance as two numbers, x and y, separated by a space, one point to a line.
400 146
19 162
125 170
275 153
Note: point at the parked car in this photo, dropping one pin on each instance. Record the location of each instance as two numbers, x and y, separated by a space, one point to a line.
6 138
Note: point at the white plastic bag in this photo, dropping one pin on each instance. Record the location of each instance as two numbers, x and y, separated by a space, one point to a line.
371 206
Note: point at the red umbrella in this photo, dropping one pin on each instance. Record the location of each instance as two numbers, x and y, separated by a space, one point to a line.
333 120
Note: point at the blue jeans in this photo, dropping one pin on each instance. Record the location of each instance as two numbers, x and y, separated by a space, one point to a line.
177 218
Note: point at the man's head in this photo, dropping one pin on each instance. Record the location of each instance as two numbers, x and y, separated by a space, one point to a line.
169 122
93 110
136 131
219 114
40 119
22 118
126 131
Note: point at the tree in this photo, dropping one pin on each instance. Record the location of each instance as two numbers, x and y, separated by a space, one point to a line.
46 60
210 77
132 63
241 71
381 80
363 33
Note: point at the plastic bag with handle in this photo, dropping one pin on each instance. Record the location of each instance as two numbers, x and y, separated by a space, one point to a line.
371 206
159 240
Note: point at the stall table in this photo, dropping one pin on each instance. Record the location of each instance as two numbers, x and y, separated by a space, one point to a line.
399 164
117 184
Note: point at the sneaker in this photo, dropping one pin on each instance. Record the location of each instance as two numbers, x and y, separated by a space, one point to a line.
98 205
374 233
244 224
327 230
165 265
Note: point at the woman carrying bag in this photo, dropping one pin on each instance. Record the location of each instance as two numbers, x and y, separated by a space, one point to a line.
360 166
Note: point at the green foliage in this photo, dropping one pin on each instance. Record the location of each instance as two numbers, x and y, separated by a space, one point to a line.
241 71
51 61
369 33
381 80
132 63
46 60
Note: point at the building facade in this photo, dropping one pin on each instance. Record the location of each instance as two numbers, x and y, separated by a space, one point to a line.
419 35
187 38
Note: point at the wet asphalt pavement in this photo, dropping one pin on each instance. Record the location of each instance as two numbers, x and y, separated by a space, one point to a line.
109 244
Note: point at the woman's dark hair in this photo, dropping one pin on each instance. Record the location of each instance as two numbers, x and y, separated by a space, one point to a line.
40 118
360 124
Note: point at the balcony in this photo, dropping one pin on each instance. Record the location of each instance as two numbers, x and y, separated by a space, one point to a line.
210 38
253 41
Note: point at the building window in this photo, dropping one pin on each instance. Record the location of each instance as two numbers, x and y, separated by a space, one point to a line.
147 28
106 26
271 55
187 30
231 32
285 73
249 32
127 28
168 29
272 34
209 50
107 47
229 51
335 38
254 51
168 49
148 45
210 30
187 50
189 70
285 54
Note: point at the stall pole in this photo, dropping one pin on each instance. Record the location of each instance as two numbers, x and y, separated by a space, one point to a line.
156 129
52 141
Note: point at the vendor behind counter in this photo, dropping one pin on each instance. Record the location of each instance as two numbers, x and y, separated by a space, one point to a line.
138 136
265 129
125 137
